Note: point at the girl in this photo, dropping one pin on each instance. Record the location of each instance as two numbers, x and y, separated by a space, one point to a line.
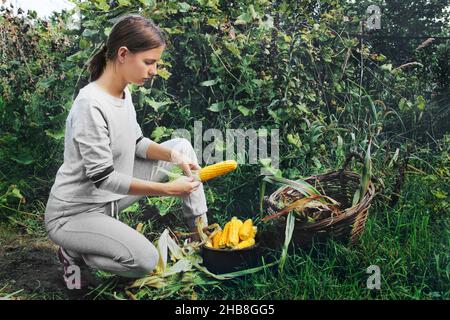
109 164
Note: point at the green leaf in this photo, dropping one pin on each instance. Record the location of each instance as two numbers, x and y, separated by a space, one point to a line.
365 178
56 135
160 132
16 193
133 208
262 192
124 3
266 24
300 185
420 103
102 5
233 49
84 43
163 73
89 33
387 67
404 105
147 3
213 22
107 31
217 107
155 104
209 83
294 139
24 158
245 111
267 165
184 7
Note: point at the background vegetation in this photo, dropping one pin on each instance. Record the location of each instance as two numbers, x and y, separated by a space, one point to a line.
296 66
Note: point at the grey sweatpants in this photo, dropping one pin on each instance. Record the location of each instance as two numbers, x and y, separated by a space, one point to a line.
93 232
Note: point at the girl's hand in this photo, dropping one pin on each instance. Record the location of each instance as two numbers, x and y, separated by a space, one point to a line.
184 162
182 186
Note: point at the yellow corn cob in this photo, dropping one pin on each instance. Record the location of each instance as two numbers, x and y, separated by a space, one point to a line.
233 236
216 239
254 229
224 236
246 231
246 243
209 244
216 170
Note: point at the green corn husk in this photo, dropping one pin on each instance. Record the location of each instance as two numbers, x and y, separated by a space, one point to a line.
365 177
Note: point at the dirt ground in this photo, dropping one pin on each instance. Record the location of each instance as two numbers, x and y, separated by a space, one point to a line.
30 264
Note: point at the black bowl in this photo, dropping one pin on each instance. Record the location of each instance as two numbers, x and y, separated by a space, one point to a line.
220 261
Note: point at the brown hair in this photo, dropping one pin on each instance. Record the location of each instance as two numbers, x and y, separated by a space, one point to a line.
132 31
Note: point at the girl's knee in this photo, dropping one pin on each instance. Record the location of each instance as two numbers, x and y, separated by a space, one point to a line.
146 260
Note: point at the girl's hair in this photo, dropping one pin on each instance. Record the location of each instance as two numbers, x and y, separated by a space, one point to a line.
132 31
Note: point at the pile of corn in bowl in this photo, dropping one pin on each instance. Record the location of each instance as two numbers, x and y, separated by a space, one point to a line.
235 235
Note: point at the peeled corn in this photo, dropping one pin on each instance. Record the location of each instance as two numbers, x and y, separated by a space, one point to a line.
246 243
215 170
247 231
233 236
224 236
216 239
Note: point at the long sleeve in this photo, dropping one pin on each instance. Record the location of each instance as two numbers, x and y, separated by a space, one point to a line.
90 132
142 143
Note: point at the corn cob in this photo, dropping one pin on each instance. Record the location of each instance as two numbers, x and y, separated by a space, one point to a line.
215 170
246 243
246 231
224 236
233 236
216 239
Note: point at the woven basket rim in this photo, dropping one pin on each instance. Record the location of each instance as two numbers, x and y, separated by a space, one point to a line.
362 205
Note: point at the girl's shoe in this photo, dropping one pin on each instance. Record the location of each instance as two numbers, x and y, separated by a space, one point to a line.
70 265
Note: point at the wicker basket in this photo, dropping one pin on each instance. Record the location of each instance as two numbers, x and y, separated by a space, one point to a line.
346 227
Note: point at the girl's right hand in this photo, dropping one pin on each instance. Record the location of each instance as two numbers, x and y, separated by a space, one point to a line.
182 186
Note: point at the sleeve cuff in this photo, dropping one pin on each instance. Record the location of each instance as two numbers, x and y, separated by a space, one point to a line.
142 147
117 183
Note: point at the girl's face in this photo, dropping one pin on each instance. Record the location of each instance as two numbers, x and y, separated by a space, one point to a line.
139 67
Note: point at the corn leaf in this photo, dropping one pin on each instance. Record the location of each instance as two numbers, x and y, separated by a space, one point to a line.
299 204
150 281
365 178
173 174
231 275
175 251
290 224
162 247
183 265
301 186
200 225
262 191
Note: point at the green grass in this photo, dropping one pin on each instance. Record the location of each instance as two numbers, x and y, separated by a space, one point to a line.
409 243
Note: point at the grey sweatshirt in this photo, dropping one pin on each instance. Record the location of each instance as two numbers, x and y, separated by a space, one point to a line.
102 138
